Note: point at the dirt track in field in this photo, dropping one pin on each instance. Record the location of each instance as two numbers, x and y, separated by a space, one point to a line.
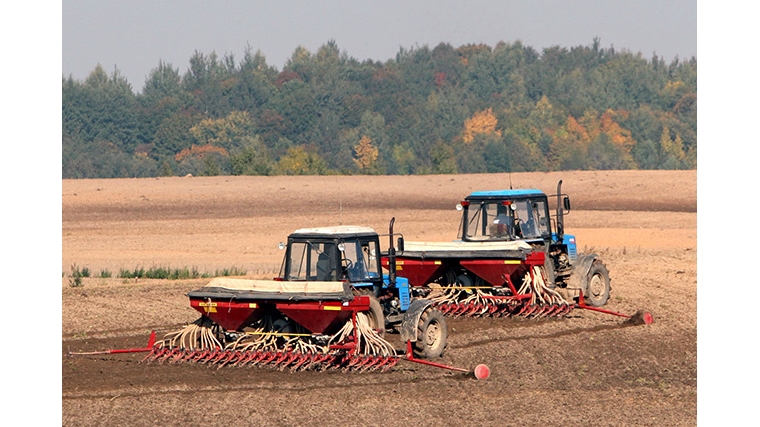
586 369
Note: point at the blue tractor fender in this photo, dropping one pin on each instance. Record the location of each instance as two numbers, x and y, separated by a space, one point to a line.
411 318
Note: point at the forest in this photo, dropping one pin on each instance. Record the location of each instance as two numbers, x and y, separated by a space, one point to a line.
445 110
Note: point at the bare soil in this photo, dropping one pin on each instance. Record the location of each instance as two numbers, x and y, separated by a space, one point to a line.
587 369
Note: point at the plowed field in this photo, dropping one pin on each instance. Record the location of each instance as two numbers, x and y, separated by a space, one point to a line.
587 369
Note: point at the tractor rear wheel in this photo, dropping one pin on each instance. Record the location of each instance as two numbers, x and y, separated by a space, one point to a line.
598 289
431 334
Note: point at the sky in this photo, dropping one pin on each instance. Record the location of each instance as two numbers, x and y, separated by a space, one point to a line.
134 36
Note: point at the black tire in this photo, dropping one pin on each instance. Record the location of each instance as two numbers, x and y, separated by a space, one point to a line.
597 285
432 333
549 272
376 316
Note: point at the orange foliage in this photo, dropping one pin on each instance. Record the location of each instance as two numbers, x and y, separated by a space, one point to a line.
590 126
366 154
440 78
199 151
576 135
286 76
576 129
619 136
482 122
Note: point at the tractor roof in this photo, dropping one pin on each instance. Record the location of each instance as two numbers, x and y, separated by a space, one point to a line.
336 231
506 193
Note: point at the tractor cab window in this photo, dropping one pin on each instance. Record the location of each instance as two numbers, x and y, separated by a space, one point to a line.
360 260
530 220
497 220
313 261
489 220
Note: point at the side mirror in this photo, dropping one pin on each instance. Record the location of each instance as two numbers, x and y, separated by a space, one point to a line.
566 203
400 244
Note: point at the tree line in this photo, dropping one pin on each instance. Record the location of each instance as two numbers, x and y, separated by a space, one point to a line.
471 109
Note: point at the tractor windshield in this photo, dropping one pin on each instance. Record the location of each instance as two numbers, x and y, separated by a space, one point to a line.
506 220
360 260
315 261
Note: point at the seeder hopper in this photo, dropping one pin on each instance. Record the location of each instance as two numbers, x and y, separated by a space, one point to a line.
481 279
296 325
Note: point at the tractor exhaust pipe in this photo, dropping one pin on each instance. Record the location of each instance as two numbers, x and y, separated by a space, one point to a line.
560 214
391 256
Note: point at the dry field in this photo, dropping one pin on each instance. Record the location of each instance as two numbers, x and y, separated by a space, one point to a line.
587 369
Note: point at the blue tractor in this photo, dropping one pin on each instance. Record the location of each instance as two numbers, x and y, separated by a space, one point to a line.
352 254
523 215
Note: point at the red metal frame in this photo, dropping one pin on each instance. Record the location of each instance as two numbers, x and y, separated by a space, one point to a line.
283 358
481 372
646 317
410 357
149 347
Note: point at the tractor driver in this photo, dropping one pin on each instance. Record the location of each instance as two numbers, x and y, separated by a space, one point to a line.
500 222
506 222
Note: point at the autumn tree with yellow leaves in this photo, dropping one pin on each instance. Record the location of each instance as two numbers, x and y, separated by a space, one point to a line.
673 155
481 123
592 141
227 132
300 161
365 154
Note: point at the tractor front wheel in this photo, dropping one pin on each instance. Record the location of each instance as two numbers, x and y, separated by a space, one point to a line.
432 333
598 289
376 315
549 271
